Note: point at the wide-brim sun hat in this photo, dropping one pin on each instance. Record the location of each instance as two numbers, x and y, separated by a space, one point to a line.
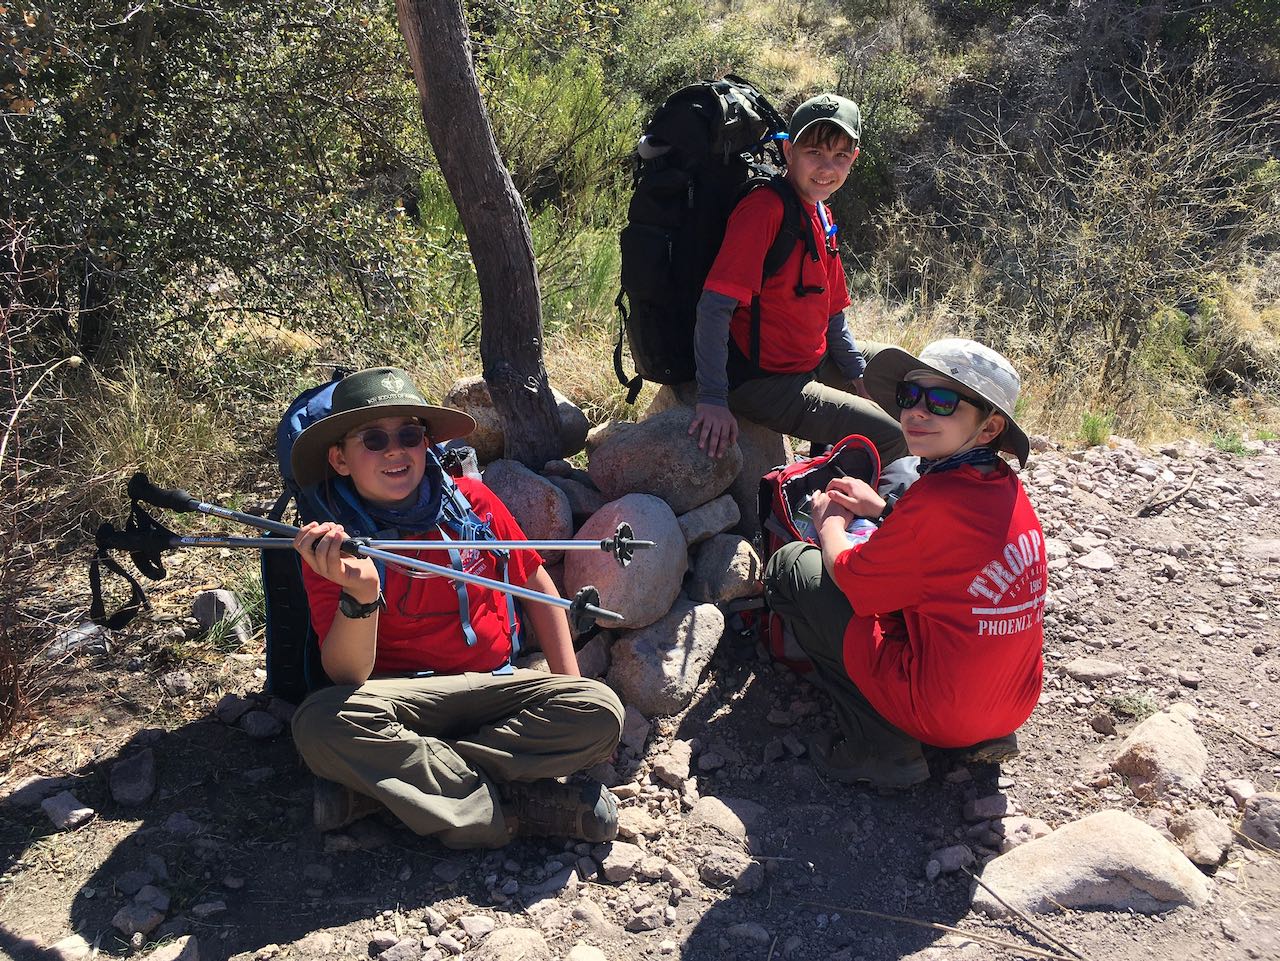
366 395
975 367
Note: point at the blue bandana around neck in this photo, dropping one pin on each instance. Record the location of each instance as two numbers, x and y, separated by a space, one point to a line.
423 515
974 456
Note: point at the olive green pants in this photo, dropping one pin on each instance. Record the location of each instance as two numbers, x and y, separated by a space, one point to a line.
803 593
434 749
819 407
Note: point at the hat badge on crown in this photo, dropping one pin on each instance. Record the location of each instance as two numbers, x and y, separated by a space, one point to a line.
393 383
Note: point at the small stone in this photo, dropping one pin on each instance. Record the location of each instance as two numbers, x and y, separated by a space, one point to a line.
1092 670
1261 822
133 780
135 918
989 807
750 931
635 729
65 811
477 926
953 858
260 725
621 861
449 871
1240 790
725 867
208 909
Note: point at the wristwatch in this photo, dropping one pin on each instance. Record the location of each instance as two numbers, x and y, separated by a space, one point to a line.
353 609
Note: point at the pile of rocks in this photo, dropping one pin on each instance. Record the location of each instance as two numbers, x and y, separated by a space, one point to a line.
700 513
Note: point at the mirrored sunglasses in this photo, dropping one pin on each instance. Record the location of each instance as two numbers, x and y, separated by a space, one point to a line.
941 401
375 439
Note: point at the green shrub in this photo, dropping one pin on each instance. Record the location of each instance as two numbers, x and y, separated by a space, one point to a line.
1095 428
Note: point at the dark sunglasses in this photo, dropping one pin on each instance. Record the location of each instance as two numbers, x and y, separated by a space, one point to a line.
941 401
376 439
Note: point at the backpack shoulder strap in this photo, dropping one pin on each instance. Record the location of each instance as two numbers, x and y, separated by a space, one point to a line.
460 518
795 228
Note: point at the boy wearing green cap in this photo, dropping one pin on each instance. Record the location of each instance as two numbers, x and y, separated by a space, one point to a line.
776 350
426 716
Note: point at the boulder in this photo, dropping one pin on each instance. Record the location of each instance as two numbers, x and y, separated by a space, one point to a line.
540 507
1109 860
657 456
713 517
1163 751
656 669
471 395
762 449
726 567
643 590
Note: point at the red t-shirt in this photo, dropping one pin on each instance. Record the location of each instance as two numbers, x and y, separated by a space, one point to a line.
793 330
948 597
420 629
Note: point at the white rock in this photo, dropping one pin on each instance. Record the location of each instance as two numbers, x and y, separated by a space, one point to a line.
621 861
1096 560
672 766
1092 670
66 811
1108 860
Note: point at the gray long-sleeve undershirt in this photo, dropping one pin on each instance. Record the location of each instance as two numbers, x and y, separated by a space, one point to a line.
711 347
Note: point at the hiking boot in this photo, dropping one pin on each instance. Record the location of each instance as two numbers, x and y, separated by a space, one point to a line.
335 805
839 760
549 809
994 751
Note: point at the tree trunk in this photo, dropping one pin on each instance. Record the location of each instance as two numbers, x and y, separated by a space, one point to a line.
497 228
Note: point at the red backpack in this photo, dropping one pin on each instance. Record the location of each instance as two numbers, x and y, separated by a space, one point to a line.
785 493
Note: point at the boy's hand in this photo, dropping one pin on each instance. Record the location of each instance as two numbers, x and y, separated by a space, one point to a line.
856 496
825 507
716 428
320 547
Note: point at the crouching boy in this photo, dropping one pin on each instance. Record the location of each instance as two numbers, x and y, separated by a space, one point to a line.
930 631
426 716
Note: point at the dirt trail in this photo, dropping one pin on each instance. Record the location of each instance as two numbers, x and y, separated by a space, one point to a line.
1188 606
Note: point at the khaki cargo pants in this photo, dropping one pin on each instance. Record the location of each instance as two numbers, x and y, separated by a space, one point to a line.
433 749
819 407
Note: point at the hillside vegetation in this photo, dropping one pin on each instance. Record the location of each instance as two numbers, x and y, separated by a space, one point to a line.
208 202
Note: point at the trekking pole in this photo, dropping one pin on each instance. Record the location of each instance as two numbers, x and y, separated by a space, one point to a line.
583 609
622 545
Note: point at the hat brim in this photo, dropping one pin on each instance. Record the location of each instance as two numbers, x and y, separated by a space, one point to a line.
310 456
892 364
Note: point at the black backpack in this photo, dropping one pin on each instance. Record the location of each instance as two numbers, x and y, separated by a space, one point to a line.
706 147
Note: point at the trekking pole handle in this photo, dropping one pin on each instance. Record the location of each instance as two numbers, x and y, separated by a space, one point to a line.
174 499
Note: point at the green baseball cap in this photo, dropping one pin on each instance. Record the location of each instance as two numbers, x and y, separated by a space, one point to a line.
827 106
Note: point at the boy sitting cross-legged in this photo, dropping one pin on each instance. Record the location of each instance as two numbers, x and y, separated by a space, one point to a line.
425 716
930 630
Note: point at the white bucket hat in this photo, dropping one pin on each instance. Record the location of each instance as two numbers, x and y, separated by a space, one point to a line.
976 368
